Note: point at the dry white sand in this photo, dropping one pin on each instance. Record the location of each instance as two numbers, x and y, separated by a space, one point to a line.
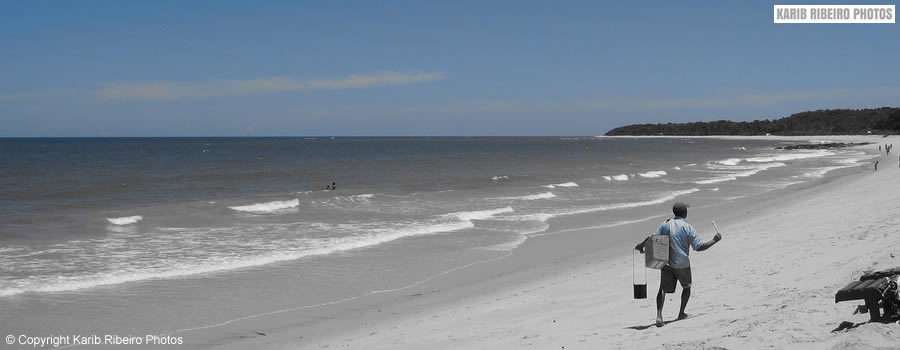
770 283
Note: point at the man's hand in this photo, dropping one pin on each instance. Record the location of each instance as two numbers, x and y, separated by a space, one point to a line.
709 243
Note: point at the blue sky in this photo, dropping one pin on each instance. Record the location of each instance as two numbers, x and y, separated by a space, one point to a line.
382 68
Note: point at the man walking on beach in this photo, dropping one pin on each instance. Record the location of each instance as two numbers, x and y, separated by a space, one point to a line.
682 237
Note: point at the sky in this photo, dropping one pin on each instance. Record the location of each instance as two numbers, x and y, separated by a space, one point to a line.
423 68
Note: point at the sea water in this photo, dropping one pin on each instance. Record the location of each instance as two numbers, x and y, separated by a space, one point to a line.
153 235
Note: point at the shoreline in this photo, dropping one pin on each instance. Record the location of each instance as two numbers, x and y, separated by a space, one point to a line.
384 319
841 138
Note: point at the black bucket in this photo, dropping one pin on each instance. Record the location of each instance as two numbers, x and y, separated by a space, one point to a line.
640 291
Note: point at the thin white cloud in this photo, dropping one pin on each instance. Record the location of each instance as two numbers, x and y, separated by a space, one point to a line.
168 90
179 90
361 81
38 95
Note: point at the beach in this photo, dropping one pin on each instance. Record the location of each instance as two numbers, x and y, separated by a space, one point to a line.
797 226
770 283
203 175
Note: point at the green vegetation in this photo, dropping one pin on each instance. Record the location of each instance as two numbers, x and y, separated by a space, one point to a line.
885 120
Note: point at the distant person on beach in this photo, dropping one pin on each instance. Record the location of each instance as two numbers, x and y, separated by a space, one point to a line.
682 237
876 165
328 187
333 186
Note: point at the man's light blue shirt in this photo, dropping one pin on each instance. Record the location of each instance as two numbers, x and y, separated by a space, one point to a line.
680 240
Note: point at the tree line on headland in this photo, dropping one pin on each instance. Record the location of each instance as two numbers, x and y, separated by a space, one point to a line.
884 120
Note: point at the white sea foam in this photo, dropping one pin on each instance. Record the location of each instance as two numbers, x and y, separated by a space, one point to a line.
676 168
480 214
564 184
614 224
345 201
607 178
716 180
542 217
666 197
323 246
653 174
729 161
545 195
790 156
734 176
820 172
622 177
127 220
524 226
268 207
531 197
362 197
501 177
821 142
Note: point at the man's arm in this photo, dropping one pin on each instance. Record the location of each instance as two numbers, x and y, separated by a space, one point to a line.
640 246
708 244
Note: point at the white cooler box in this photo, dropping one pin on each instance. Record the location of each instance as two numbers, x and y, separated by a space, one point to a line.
656 251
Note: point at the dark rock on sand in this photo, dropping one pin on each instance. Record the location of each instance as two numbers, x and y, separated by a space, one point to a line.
824 145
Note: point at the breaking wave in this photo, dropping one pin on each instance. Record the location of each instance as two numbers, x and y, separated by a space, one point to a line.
565 184
127 220
531 197
268 207
133 273
789 157
729 161
667 197
735 176
653 174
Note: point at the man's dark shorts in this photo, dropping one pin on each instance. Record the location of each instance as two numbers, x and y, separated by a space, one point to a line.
668 275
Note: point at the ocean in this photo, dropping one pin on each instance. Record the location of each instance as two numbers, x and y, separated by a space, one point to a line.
96 230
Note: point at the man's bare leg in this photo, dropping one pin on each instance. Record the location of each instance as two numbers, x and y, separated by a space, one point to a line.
685 296
660 300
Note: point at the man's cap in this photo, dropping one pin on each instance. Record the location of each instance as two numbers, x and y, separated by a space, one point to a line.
680 206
